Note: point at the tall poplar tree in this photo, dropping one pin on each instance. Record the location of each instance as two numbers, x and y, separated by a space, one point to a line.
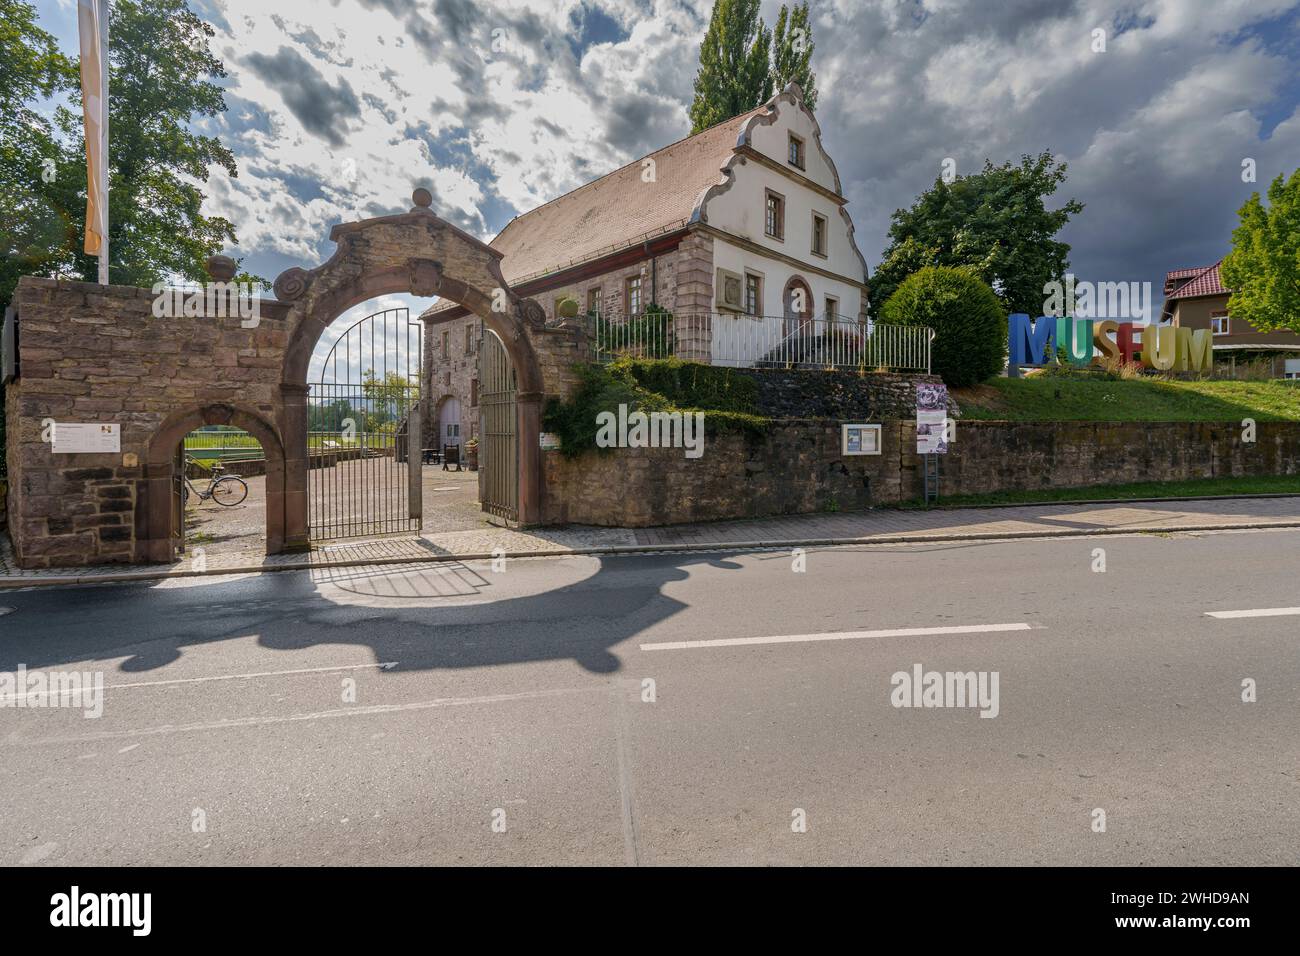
734 75
792 48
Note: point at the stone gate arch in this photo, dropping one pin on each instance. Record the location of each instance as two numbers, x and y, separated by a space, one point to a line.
161 532
421 254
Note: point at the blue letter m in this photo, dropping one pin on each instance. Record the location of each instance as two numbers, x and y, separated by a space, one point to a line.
1032 343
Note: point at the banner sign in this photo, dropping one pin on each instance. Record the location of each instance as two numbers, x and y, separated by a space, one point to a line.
1035 343
74 438
931 419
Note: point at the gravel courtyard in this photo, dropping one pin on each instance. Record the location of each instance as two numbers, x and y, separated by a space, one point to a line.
450 504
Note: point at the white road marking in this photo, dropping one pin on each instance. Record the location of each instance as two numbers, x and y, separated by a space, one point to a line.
6 610
837 636
386 665
237 722
1257 612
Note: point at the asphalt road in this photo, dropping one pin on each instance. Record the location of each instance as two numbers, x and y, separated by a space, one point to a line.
516 701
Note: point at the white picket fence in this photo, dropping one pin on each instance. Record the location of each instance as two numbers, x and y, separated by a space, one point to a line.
745 341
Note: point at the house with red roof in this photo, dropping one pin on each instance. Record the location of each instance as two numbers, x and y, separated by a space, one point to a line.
739 230
1195 298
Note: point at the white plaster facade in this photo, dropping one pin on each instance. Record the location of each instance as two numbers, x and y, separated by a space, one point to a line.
736 215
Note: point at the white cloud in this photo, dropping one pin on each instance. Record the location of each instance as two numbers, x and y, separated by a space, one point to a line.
1154 129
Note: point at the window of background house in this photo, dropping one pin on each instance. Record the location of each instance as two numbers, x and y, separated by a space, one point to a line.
473 393
796 151
446 378
832 310
1219 323
634 295
593 301
446 342
753 294
774 222
819 235
469 339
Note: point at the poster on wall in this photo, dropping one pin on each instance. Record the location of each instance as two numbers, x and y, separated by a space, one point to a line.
931 419
860 439
92 438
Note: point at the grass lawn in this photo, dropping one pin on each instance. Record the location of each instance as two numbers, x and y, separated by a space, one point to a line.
1066 398
1269 485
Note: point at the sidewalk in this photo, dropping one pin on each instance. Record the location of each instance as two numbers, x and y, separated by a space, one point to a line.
882 526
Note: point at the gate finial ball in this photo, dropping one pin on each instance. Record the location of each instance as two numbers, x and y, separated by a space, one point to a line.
221 268
422 198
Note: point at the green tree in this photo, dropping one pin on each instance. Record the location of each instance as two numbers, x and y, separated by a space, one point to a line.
969 322
160 72
734 75
995 222
31 70
1263 268
792 48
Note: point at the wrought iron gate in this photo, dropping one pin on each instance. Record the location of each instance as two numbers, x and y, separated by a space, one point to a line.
498 458
364 433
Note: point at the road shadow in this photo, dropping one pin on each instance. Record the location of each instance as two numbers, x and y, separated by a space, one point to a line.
583 617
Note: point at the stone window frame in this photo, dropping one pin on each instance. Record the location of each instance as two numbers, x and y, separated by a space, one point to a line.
797 156
633 306
446 342
758 278
832 313
824 251
594 296
774 215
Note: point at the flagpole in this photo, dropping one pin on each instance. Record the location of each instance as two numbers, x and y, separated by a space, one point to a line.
92 29
103 127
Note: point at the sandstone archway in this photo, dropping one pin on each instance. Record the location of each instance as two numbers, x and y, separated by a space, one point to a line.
158 539
423 255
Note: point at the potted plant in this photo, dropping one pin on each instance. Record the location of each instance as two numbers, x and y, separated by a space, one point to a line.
471 453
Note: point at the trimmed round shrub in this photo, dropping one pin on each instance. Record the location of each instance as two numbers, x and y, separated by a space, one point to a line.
970 326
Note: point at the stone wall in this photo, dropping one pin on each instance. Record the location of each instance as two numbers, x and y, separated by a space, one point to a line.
1000 456
452 372
92 353
846 396
797 468
613 287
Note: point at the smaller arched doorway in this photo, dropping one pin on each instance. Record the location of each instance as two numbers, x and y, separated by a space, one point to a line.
159 492
798 303
449 425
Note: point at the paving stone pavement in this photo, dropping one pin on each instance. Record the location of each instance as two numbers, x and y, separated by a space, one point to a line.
879 525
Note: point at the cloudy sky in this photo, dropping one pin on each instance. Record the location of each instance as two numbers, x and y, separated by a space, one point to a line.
337 108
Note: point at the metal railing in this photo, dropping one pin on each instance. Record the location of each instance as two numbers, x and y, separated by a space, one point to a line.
765 341
229 443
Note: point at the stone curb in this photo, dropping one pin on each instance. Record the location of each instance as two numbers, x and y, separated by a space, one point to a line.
1100 501
9 583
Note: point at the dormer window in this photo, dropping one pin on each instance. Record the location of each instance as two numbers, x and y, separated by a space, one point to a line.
796 152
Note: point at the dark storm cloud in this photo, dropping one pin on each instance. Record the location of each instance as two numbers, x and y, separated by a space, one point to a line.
322 109
1154 128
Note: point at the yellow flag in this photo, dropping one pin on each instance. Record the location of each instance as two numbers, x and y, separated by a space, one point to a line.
92 25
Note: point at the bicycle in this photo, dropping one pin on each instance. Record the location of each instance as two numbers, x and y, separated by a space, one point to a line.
225 490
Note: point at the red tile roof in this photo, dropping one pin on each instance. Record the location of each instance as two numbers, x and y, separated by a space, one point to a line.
619 208
1200 281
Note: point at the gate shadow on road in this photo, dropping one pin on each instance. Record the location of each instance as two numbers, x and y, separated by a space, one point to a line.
583 609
